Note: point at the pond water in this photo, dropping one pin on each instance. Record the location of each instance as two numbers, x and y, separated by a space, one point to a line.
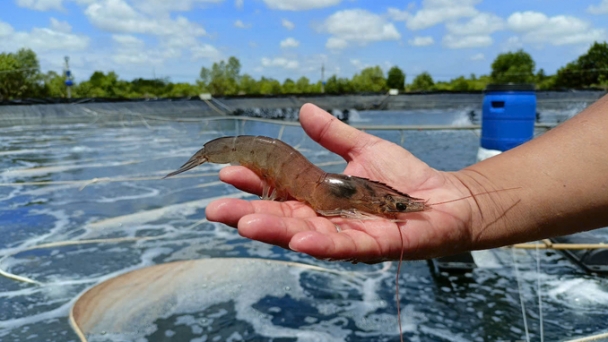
102 181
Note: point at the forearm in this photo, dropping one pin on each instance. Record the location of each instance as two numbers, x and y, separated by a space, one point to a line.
562 178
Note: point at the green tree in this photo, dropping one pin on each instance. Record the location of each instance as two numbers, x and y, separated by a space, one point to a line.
396 78
141 87
315 88
422 82
369 79
589 69
289 87
248 85
335 85
104 85
460 84
513 67
303 85
223 77
479 83
54 85
20 75
182 90
269 86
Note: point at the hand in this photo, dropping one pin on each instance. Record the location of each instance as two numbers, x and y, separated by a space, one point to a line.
444 229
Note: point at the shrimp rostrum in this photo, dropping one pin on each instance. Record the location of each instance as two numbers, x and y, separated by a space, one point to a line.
288 174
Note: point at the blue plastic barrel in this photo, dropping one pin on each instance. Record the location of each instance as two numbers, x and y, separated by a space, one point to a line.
508 116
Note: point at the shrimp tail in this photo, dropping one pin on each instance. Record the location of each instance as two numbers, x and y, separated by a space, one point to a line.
190 164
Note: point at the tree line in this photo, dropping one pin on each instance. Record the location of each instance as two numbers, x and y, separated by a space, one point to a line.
20 77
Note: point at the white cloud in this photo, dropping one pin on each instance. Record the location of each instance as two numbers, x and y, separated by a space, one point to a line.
398 15
290 43
205 51
422 41
300 5
481 23
357 26
280 62
164 7
287 24
559 30
127 40
60 26
526 21
241 25
334 43
434 12
358 64
462 42
601 8
513 43
132 50
176 35
478 57
118 16
473 33
5 29
42 39
238 4
41 5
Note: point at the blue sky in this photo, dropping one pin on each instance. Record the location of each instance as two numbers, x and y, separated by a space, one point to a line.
290 38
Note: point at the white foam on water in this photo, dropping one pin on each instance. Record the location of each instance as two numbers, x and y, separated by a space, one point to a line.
16 191
147 216
445 335
81 149
60 312
151 192
24 151
580 293
486 259
354 116
62 220
44 170
61 289
462 117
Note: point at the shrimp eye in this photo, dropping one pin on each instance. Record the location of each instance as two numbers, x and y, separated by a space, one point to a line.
400 206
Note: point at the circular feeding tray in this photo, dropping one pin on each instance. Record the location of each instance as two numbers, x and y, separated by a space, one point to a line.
228 299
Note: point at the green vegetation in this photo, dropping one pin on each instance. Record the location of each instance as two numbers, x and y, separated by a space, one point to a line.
422 82
513 67
20 77
590 69
396 78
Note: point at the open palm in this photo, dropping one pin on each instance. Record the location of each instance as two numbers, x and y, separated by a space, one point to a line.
444 229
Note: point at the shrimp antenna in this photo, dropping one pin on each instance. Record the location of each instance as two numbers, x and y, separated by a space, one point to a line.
190 164
473 195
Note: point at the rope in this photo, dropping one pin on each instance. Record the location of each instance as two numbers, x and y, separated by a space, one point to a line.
521 297
87 182
597 337
538 291
360 127
9 275
214 107
561 246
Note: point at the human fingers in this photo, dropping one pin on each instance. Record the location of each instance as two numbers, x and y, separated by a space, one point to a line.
349 244
279 230
231 210
331 133
243 179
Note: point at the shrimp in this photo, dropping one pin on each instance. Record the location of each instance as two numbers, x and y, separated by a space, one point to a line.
288 174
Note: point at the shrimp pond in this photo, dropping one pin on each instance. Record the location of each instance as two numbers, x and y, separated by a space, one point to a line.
101 181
